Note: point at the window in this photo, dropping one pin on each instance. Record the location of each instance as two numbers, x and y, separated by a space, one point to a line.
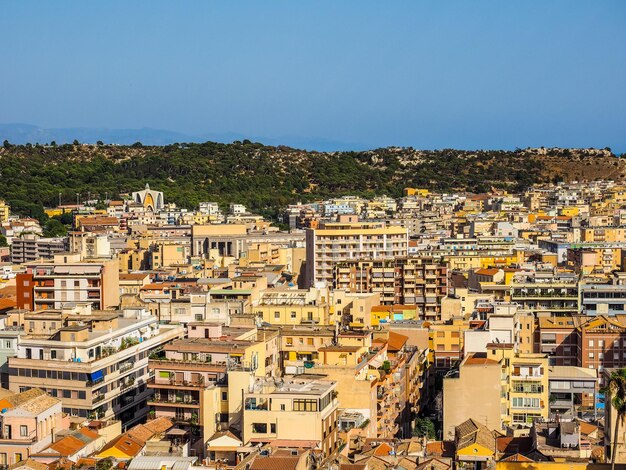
23 431
53 354
273 428
293 315
282 407
289 341
7 345
259 428
67 394
276 315
224 396
591 343
590 355
18 457
309 341
301 404
601 343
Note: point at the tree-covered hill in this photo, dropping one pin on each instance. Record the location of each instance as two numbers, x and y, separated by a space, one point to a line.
266 178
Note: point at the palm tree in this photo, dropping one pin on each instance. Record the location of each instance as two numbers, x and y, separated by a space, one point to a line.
616 390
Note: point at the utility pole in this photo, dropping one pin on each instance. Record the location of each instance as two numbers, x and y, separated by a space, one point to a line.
77 199
59 199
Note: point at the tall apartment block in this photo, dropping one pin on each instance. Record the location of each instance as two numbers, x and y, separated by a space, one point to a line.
51 285
31 247
421 281
348 239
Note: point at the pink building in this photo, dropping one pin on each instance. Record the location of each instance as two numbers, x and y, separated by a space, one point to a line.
28 423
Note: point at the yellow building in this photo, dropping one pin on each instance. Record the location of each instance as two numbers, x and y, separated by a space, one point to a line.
445 343
416 192
524 381
569 211
603 234
297 410
5 211
300 345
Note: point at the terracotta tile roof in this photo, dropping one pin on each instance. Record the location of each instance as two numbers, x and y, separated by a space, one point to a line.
7 303
140 433
440 448
159 425
383 450
396 341
433 463
587 428
275 463
487 271
67 446
472 432
30 463
513 445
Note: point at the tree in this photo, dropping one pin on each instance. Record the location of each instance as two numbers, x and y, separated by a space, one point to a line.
424 427
54 228
615 389
104 464
3 241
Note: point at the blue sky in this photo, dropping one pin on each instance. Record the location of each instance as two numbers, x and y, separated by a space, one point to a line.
427 74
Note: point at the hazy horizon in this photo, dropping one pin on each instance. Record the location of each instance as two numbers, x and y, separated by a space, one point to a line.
336 76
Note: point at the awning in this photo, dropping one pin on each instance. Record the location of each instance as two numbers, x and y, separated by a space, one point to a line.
97 375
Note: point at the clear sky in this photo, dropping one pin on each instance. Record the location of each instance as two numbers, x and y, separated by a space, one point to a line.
427 74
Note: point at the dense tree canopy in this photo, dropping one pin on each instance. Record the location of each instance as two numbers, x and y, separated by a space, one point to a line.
264 178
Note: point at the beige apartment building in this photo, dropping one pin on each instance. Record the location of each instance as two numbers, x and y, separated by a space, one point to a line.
349 239
294 307
198 382
295 409
472 392
95 362
498 388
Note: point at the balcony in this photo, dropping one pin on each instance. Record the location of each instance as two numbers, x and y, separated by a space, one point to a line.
126 384
175 401
98 398
126 366
173 364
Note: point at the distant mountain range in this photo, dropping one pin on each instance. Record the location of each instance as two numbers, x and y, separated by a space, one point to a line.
27 133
